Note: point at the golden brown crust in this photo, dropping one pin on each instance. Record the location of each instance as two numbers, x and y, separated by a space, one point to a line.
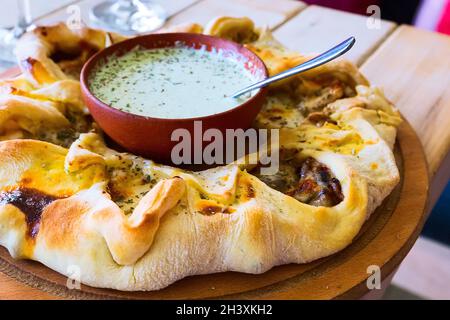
65 214
60 223
240 30
127 237
131 224
45 101
49 54
138 229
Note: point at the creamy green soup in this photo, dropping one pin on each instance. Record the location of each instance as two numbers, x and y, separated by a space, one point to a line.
178 82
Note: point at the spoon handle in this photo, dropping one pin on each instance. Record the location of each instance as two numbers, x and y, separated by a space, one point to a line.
321 59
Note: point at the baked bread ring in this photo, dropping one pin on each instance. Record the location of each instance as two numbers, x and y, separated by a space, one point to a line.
240 30
131 224
49 54
45 100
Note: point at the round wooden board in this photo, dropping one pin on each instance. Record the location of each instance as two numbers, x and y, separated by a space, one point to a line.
384 241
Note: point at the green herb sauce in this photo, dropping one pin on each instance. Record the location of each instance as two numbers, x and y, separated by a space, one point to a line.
171 83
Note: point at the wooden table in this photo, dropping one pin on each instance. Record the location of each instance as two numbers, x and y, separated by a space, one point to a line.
412 65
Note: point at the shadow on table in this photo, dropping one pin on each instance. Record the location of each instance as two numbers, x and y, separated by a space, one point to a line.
438 224
396 293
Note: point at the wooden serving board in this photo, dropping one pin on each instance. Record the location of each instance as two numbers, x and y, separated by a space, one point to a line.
384 241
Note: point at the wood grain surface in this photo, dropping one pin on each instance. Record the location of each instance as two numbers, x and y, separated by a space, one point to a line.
262 12
415 75
316 29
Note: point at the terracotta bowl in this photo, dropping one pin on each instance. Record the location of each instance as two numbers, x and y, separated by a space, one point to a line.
151 137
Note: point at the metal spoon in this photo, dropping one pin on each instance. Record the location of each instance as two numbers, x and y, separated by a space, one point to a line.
321 59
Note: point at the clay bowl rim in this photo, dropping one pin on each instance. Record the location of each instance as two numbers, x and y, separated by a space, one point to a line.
109 51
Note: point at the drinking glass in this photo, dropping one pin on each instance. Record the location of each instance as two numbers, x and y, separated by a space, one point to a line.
9 36
128 16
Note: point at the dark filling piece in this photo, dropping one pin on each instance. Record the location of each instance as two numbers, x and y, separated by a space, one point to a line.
71 61
321 91
212 210
316 186
31 202
310 182
319 119
60 56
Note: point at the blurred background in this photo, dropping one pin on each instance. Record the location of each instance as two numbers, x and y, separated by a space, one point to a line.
428 14
418 276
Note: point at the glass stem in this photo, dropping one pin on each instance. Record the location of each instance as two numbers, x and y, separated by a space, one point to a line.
24 18
139 5
121 4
